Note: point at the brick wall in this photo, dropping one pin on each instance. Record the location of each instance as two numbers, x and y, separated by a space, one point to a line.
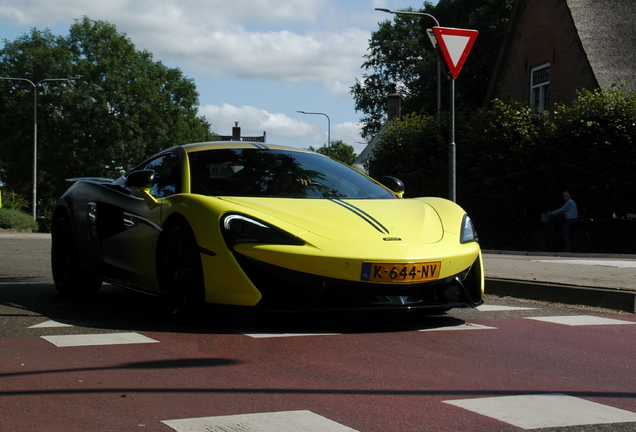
545 33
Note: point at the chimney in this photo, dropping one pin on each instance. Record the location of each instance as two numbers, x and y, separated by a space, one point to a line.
236 132
394 103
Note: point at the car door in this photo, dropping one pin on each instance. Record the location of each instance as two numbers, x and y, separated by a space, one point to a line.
129 253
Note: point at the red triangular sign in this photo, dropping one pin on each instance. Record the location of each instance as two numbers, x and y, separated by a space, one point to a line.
455 44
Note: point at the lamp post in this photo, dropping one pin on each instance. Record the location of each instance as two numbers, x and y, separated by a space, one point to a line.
328 129
35 130
439 67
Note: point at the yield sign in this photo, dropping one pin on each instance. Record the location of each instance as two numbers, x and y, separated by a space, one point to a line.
455 44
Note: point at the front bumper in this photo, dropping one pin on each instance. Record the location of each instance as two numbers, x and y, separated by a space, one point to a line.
288 290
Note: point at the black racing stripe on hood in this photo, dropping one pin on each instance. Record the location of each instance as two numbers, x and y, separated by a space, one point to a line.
365 216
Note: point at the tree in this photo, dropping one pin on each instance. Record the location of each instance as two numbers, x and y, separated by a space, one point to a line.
594 144
400 53
413 150
339 150
123 107
502 162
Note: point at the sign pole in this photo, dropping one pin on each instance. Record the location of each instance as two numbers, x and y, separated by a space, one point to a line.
453 45
452 168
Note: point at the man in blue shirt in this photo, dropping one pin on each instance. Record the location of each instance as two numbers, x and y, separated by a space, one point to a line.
571 217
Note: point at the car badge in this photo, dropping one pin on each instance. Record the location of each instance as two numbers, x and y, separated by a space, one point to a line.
392 239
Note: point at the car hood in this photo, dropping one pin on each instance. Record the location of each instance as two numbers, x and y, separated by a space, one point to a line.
352 220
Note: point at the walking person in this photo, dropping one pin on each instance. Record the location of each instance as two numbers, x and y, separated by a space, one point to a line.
571 214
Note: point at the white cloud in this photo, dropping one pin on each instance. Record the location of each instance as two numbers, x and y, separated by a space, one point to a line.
255 60
287 41
253 121
280 128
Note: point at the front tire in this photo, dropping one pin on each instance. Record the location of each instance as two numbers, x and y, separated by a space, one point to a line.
181 272
68 277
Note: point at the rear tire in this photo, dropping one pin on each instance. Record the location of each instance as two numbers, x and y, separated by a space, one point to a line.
180 272
68 277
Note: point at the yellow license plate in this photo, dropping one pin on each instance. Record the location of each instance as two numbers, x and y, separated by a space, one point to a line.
400 272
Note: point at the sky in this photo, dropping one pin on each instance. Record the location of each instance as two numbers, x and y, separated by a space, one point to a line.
256 62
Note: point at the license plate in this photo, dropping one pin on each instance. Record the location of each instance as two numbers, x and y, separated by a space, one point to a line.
400 272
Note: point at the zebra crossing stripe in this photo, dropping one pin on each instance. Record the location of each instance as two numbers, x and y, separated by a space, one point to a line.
262 334
97 339
545 410
283 421
581 320
464 326
495 308
52 324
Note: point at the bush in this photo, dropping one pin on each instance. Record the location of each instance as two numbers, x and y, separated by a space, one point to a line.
513 164
13 201
413 151
16 220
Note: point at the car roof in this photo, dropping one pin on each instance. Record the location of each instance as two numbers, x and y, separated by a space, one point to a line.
212 145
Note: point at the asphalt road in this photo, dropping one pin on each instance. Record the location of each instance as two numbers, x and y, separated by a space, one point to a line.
115 363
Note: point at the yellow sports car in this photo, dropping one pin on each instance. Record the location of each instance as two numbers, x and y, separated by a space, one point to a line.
266 227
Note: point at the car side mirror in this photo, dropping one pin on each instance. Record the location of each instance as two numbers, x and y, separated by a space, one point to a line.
394 184
142 179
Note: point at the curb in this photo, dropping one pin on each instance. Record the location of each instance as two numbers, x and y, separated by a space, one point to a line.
623 300
25 235
559 254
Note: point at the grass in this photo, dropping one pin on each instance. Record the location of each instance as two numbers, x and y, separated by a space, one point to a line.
18 221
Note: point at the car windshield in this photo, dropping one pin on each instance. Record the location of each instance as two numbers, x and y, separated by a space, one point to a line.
278 173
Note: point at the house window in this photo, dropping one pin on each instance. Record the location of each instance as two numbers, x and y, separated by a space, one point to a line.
540 88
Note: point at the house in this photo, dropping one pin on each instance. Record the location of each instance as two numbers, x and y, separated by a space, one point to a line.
236 136
553 48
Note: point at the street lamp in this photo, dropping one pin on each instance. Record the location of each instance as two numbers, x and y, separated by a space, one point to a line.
35 130
439 67
328 129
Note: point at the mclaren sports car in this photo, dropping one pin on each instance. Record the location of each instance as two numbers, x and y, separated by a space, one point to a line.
260 226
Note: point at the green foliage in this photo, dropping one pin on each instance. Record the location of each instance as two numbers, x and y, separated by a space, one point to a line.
16 220
499 159
13 201
401 53
339 150
513 165
519 163
123 107
412 150
594 141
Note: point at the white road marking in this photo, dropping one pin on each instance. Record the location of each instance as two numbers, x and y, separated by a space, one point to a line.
284 421
51 324
98 339
491 308
600 263
465 326
257 334
580 320
545 410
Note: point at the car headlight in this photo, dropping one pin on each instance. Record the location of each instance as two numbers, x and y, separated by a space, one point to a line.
239 228
468 232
